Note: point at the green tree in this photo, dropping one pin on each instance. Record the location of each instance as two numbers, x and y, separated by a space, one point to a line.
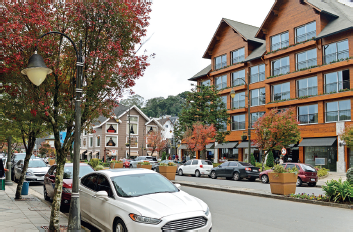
109 32
203 105
270 159
348 135
252 160
133 100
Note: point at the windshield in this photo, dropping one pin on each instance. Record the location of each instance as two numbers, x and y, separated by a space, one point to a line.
142 184
36 163
308 168
22 156
83 170
246 164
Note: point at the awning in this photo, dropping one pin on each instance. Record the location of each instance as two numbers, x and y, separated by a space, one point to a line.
244 144
155 154
228 145
210 146
327 141
133 154
183 146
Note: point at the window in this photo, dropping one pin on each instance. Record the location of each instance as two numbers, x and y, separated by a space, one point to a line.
281 92
206 162
195 162
224 100
225 164
90 141
238 56
305 32
188 163
238 122
306 59
280 41
307 87
221 82
280 66
103 185
111 141
90 181
98 141
238 101
338 111
257 73
134 141
151 128
255 116
133 128
166 126
232 164
258 97
220 61
336 81
336 51
308 114
205 83
236 78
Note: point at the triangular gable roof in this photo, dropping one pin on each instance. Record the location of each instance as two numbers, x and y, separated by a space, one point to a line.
153 120
318 5
102 119
246 31
202 73
138 110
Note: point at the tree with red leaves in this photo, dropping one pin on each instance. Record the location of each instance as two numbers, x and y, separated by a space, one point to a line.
155 142
199 137
275 130
110 32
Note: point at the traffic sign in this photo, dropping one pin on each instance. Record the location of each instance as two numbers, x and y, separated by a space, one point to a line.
284 151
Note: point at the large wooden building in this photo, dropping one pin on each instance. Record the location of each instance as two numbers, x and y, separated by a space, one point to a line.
301 57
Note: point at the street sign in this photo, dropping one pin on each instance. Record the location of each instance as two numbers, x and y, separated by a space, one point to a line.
284 151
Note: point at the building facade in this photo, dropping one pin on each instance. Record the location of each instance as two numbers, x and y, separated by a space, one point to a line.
109 137
301 57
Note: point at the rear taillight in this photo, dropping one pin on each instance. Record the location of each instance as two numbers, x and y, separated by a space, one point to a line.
259 169
247 169
201 166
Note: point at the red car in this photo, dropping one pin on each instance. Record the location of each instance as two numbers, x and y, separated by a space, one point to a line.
307 174
126 162
49 181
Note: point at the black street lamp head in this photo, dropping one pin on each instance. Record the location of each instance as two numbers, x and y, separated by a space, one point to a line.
36 69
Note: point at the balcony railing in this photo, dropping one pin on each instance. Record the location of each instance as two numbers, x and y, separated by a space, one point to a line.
306 63
337 86
238 104
333 57
341 115
280 45
309 91
257 77
221 85
220 65
306 119
238 125
280 70
238 59
305 36
238 81
281 96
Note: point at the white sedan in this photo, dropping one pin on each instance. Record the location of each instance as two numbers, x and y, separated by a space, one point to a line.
195 167
139 200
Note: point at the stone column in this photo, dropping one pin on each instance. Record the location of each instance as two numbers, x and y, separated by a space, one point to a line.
340 164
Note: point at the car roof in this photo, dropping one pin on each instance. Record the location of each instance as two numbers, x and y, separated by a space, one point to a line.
71 164
124 171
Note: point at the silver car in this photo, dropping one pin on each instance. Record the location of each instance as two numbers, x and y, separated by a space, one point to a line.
152 160
36 170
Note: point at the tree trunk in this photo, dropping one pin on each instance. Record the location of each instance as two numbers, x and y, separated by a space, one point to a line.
203 154
263 161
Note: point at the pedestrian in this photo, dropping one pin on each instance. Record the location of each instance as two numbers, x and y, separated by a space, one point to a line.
2 169
176 158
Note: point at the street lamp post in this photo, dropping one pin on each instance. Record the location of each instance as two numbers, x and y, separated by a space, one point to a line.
232 93
37 71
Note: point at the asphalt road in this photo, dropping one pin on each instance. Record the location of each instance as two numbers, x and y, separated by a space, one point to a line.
258 185
242 213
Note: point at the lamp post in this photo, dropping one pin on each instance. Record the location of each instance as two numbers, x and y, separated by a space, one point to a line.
37 71
232 93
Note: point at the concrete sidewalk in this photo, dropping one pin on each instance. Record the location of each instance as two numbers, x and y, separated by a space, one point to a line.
31 214
331 176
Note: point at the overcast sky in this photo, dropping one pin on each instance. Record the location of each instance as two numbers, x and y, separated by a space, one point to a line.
182 31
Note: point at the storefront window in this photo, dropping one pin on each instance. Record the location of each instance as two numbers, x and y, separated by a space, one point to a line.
231 154
326 152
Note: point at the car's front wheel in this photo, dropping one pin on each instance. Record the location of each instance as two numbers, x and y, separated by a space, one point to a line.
180 172
299 182
213 175
236 176
264 179
119 226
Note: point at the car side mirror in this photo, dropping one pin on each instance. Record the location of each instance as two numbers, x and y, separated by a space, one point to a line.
178 186
102 194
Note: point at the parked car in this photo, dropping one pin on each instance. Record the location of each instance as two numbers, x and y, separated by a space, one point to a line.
138 200
235 170
49 181
195 167
307 174
156 167
35 171
15 158
152 160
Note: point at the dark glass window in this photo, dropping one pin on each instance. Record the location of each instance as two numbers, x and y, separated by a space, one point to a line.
232 164
238 122
237 78
238 101
220 62
225 164
205 83
280 66
195 162
257 73
188 163
103 185
206 162
281 92
338 111
308 114
258 97
280 41
221 82
336 81
336 51
307 87
306 59
90 181
238 56
305 32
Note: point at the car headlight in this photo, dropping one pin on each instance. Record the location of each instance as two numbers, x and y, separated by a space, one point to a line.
142 219
29 173
207 211
67 190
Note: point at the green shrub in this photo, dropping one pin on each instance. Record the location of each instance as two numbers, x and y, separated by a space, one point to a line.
116 161
252 160
270 159
338 191
163 156
106 164
280 169
258 164
216 164
169 164
94 162
144 163
99 167
350 176
322 171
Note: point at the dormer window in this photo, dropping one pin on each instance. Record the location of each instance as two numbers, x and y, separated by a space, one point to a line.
220 62
279 41
238 56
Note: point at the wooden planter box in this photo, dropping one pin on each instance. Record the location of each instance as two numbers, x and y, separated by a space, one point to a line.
116 165
144 166
168 171
52 162
282 183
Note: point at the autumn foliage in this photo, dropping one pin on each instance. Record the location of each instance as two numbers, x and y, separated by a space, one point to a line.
155 142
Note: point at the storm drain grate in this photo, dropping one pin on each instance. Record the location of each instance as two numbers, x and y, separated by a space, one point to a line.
62 228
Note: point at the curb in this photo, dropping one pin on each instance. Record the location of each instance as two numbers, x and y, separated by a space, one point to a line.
280 197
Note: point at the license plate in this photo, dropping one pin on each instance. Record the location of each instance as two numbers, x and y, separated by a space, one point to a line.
312 179
40 178
254 170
